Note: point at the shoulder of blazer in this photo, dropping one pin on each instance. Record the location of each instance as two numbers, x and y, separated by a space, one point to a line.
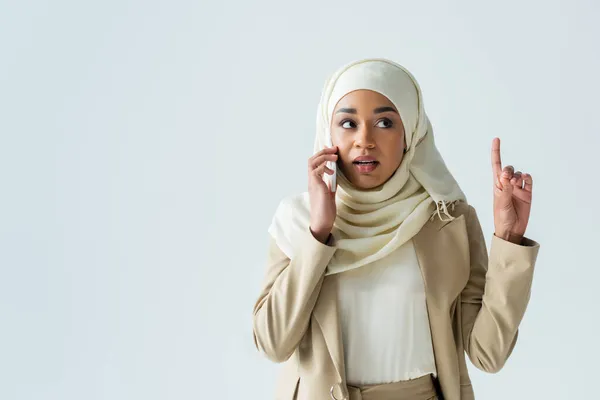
459 210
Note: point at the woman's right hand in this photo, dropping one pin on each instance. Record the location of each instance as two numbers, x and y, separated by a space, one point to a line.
322 200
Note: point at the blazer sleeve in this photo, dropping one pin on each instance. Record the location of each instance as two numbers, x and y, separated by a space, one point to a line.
496 295
288 296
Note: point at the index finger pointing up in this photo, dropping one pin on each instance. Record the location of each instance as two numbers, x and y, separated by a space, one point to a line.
496 161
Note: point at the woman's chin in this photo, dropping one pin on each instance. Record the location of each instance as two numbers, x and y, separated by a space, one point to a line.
366 182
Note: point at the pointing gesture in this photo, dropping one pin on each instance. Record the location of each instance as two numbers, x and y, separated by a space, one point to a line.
512 198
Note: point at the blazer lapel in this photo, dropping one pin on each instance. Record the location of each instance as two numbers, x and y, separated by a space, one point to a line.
442 249
327 315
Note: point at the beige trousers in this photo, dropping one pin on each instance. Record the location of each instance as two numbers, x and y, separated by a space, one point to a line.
415 389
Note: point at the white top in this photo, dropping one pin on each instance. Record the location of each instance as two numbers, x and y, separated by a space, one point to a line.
385 326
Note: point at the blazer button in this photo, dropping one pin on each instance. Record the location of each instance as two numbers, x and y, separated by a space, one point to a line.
337 392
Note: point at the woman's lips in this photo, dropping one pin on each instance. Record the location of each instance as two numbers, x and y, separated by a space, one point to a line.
365 168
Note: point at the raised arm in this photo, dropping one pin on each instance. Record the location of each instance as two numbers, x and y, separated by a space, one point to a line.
495 298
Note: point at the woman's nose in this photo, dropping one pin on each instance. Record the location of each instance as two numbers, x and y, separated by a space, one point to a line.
364 138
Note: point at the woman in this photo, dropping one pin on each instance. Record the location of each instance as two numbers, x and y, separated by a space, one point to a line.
377 286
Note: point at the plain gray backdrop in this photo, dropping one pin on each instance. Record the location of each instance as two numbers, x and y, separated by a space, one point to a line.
145 146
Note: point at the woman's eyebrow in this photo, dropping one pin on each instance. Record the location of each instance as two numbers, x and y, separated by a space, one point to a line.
384 109
378 110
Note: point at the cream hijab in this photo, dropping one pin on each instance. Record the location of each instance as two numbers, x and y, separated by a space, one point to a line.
370 224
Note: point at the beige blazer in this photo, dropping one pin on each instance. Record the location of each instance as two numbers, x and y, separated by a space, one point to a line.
475 306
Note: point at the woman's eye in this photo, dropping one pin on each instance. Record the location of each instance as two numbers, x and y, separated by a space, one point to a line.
386 123
345 123
383 123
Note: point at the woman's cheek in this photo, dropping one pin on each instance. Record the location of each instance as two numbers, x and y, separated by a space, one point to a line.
343 160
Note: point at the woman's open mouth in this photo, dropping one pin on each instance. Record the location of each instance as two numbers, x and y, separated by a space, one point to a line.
365 167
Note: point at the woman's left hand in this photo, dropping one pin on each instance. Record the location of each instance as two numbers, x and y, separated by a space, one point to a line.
512 199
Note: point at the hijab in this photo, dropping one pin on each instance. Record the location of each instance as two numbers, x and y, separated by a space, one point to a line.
371 223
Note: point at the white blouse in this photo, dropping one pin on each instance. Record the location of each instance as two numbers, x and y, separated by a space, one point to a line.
385 326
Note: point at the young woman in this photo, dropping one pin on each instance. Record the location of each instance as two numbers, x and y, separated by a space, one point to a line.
377 286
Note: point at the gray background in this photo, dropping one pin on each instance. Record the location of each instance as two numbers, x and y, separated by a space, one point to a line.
145 145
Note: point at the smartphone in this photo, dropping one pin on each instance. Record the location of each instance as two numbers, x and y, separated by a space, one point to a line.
331 179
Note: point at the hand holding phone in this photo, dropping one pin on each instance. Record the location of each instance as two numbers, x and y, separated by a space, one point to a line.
321 196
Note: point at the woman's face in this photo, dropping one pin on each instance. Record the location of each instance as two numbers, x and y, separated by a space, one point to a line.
366 123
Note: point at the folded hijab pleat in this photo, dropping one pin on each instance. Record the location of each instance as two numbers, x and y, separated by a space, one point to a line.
371 223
